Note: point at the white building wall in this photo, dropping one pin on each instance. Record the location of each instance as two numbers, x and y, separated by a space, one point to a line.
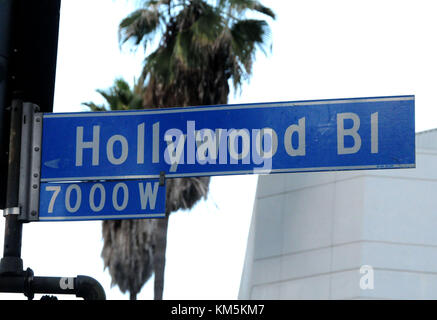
311 233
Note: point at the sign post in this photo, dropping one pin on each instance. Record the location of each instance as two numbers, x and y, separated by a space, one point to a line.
28 50
21 186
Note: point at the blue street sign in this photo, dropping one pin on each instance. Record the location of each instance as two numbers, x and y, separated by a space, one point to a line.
345 134
101 200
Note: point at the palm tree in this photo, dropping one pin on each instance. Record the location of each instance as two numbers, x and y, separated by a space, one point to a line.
119 97
131 247
203 44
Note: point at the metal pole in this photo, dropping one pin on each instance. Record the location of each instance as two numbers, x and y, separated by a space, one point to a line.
11 261
82 286
5 50
29 67
12 276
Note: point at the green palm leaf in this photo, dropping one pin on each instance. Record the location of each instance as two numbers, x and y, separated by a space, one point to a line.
119 97
141 25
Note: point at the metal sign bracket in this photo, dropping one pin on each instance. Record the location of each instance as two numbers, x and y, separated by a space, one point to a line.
30 163
162 178
11 211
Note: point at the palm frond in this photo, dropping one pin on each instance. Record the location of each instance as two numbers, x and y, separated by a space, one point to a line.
94 107
208 27
139 26
242 5
246 36
119 97
265 10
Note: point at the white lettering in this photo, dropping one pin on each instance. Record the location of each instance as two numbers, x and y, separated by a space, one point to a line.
222 142
299 129
94 145
140 143
155 153
75 187
191 142
123 205
353 132
110 149
56 190
374 133
148 195
102 197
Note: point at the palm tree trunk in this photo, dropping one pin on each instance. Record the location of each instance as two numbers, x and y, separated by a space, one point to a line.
159 257
133 296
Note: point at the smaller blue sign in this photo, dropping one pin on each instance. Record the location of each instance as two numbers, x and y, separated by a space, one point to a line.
102 200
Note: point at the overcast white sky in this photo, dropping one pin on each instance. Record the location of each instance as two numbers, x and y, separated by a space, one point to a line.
321 49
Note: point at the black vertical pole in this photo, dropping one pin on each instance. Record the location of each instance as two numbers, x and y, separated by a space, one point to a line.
5 58
11 261
28 51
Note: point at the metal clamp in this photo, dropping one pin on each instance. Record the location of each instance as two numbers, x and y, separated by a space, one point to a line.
30 162
15 211
162 179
